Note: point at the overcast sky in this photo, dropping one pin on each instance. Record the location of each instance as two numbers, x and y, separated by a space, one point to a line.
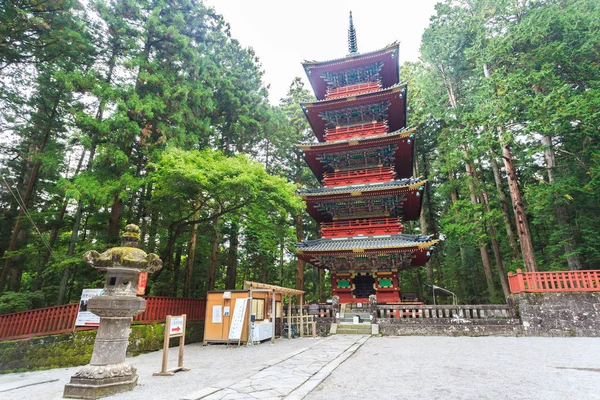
283 33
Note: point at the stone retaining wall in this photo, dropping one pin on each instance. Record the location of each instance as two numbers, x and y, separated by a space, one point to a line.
559 314
449 327
73 349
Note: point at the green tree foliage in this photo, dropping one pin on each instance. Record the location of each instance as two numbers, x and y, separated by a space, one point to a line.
144 112
509 82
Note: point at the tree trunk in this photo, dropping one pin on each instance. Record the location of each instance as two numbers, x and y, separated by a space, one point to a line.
519 211
510 235
115 217
176 270
299 262
428 265
485 258
562 214
8 267
65 275
231 278
189 265
214 255
454 199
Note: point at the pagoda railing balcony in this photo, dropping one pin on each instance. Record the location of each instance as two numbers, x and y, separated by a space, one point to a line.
368 175
352 90
367 227
356 131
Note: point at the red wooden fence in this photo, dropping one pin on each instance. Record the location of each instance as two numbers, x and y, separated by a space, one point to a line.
563 281
61 319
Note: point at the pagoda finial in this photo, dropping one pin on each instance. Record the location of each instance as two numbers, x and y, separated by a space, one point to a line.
352 47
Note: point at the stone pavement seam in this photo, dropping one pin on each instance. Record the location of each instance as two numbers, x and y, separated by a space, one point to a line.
207 391
310 384
295 373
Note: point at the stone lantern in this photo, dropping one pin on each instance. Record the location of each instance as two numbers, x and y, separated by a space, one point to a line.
107 373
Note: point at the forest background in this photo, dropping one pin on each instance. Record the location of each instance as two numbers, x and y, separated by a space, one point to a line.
149 112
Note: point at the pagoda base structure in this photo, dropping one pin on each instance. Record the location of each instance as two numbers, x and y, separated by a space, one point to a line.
367 265
352 287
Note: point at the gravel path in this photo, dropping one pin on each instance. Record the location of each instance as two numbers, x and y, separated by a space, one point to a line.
415 367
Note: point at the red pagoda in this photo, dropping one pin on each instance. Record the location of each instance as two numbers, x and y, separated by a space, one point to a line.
364 160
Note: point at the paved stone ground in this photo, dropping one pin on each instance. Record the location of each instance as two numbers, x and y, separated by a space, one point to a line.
494 368
358 367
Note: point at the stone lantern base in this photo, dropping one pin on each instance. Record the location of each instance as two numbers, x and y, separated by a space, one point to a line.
94 382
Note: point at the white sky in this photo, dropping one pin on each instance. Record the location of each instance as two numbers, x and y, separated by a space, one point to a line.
283 33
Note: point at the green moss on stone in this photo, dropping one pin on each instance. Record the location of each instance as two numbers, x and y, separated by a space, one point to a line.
73 349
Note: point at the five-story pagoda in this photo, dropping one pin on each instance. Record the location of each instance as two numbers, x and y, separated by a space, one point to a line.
364 160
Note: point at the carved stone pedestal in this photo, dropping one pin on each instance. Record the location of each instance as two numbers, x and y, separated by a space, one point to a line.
95 381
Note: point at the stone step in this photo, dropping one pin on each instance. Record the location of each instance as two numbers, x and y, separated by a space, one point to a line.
346 331
366 326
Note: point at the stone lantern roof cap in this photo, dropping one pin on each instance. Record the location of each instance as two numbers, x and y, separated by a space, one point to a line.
128 255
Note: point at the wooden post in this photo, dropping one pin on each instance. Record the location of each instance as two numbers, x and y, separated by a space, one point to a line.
301 320
273 317
289 318
249 336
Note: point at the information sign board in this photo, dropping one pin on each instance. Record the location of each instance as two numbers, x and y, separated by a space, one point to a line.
237 321
85 317
176 328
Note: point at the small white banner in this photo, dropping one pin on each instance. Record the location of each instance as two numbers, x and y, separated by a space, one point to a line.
85 317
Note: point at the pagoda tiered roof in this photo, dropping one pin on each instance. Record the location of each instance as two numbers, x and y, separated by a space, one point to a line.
386 60
407 250
385 105
400 140
395 198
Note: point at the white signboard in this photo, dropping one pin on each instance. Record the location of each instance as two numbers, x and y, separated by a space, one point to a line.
226 311
237 321
217 318
176 327
85 317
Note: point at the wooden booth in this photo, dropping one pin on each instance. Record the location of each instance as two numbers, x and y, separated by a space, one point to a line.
228 320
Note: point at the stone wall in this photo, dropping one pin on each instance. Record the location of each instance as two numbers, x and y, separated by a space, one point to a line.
449 327
324 325
73 349
559 314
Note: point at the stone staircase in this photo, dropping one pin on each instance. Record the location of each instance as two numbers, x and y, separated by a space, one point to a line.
349 325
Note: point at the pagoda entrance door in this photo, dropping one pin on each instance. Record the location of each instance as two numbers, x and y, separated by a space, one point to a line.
363 286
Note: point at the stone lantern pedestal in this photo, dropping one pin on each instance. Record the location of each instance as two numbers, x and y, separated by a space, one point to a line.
107 372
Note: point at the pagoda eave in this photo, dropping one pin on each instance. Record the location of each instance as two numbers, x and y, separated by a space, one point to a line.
395 96
414 249
389 73
409 194
403 155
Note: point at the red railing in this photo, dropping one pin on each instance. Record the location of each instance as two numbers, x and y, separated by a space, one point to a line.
356 131
369 175
353 90
369 227
563 281
157 309
61 319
